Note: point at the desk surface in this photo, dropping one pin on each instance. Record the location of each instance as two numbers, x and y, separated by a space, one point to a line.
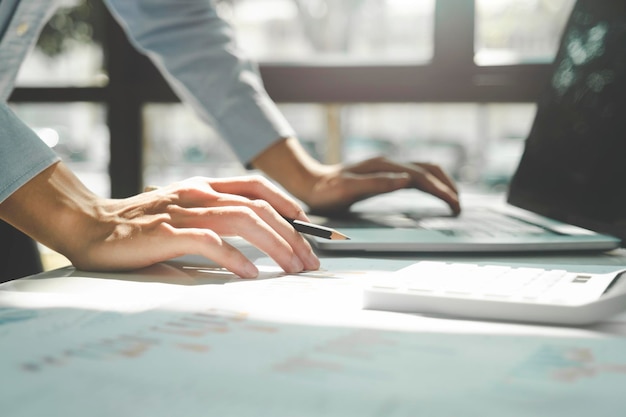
185 338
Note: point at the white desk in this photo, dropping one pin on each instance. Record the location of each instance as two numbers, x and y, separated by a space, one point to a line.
184 339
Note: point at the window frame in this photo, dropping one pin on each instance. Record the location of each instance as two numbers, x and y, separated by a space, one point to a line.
134 81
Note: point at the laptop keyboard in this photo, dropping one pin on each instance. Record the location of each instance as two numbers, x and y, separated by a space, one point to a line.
480 223
474 222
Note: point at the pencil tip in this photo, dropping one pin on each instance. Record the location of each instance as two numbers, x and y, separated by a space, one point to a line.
339 236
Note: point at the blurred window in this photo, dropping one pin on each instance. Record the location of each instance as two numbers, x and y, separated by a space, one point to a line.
333 31
69 51
476 143
177 145
373 58
78 134
519 31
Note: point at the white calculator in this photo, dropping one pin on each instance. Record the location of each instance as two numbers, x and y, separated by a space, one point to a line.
498 292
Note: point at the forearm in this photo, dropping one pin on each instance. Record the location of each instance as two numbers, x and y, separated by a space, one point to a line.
56 209
289 164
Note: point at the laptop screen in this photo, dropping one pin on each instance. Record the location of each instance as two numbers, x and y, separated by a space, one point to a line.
574 165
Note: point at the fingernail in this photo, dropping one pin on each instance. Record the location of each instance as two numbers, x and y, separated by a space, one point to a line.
296 264
313 262
250 271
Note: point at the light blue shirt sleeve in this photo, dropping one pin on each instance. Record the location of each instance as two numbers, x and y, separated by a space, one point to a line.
22 154
196 52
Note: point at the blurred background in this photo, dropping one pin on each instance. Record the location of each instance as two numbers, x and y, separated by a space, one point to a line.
447 81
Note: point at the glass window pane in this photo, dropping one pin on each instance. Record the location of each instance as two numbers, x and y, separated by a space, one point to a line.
178 145
309 121
78 134
478 144
519 31
334 31
69 50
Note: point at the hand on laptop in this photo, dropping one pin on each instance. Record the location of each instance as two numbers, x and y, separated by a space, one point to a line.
344 185
334 188
189 217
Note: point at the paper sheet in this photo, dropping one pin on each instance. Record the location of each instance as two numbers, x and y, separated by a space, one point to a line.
219 361
202 343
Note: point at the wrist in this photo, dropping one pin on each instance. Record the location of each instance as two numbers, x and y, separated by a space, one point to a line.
57 210
289 164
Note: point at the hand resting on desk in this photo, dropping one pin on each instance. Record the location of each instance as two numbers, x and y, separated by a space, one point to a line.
188 217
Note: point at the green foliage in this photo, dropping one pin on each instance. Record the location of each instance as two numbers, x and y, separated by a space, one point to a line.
80 23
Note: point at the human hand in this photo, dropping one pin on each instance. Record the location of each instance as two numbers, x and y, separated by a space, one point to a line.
188 217
340 186
334 188
250 207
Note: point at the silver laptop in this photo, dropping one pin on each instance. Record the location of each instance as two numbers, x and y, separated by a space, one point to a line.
569 190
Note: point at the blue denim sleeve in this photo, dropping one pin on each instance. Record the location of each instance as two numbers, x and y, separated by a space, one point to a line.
22 154
196 52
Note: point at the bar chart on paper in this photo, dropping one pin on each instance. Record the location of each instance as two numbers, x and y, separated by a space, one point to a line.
220 361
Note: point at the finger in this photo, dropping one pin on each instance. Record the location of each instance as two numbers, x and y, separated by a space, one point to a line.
262 209
277 222
272 234
221 252
259 188
438 172
433 185
272 205
199 193
421 178
162 241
